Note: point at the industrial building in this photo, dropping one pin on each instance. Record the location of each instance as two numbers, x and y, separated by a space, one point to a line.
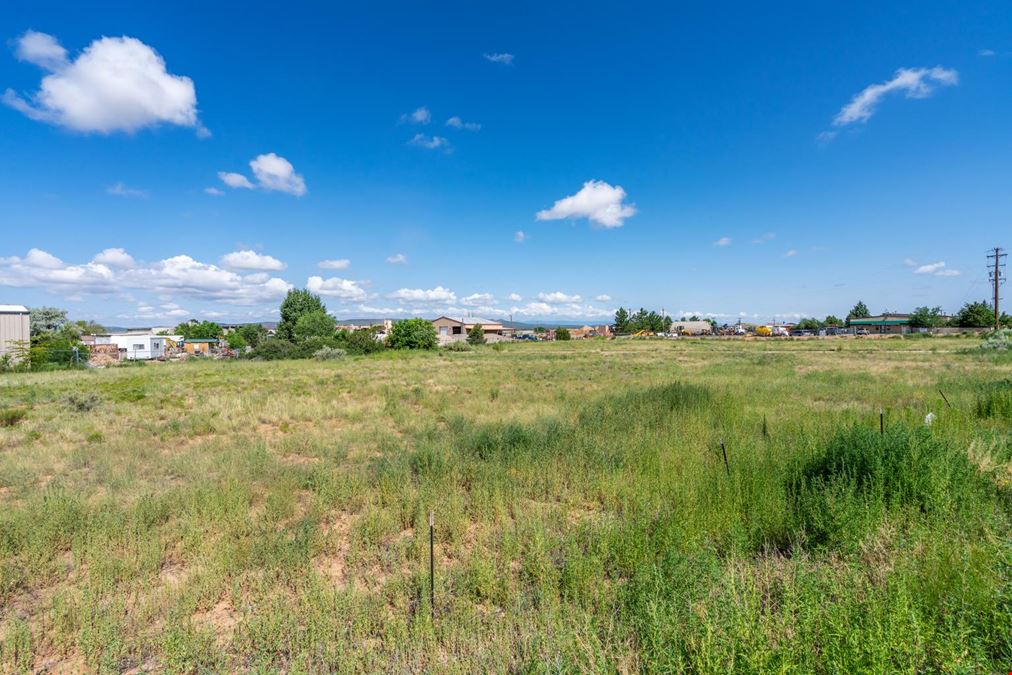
14 328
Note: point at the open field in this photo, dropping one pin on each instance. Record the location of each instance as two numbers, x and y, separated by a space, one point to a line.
211 516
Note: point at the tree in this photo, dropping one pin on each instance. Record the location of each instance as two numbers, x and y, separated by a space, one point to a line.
809 324
621 320
253 334
361 341
476 336
45 320
314 324
236 340
205 330
923 317
974 315
298 302
858 311
562 334
413 334
88 327
831 320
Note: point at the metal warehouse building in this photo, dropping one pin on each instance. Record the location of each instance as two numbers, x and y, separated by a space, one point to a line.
13 327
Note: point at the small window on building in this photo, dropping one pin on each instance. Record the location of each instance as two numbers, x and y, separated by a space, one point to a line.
138 348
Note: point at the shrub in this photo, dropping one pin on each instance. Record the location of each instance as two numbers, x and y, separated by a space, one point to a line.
359 342
476 336
274 350
413 334
314 324
330 354
997 341
82 402
995 400
562 334
11 416
845 490
458 347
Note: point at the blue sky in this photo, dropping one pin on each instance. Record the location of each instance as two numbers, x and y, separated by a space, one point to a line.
723 160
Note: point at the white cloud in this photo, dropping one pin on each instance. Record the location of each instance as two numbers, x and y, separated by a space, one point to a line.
398 259
183 275
597 201
277 173
478 300
272 173
986 52
421 115
502 57
515 297
558 297
913 82
430 142
603 298
458 123
573 311
121 190
334 287
251 260
519 236
116 84
909 262
338 264
790 253
437 294
723 241
947 273
213 191
762 239
930 268
114 257
235 180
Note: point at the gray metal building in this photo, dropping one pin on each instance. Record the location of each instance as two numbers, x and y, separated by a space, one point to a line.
13 327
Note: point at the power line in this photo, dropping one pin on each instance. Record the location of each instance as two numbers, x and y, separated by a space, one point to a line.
996 272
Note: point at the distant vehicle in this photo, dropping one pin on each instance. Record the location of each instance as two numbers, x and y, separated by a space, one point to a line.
862 331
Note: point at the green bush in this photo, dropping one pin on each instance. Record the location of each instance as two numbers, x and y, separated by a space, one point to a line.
476 336
413 334
359 342
995 400
274 350
458 347
11 416
562 334
861 476
997 341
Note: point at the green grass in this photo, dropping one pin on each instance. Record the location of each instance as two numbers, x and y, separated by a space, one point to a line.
272 516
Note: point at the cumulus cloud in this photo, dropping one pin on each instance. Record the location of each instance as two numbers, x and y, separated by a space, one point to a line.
398 259
251 260
936 269
121 190
421 115
414 295
515 297
912 82
573 311
458 123
603 298
334 287
519 236
723 241
115 84
430 142
501 57
277 173
478 300
337 264
558 297
113 271
597 201
213 191
235 180
114 257
272 172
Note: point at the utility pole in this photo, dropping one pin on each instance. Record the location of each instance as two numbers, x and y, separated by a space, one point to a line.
997 279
